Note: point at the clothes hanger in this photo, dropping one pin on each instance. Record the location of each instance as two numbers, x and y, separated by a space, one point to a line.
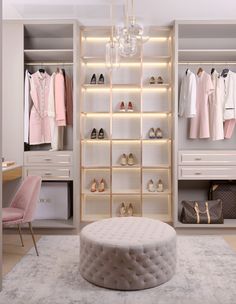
212 70
200 70
225 72
41 70
186 72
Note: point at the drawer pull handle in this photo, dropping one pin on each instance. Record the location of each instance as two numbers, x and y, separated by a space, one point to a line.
47 159
48 174
197 173
198 158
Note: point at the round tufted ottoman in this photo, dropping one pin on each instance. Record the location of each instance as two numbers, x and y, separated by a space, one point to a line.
128 253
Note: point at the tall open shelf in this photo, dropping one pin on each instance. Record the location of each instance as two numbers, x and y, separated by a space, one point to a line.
126 132
206 44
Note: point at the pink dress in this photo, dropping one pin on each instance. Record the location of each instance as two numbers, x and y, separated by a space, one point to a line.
199 125
39 132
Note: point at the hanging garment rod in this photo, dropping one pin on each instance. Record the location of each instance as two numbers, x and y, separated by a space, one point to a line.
48 63
207 63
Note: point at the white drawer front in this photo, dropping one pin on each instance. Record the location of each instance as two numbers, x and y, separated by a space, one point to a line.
55 159
207 172
50 173
207 158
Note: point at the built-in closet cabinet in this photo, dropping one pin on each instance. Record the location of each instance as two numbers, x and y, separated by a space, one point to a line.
126 132
47 45
199 161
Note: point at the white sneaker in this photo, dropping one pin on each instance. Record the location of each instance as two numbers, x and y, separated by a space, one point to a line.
160 187
123 160
150 186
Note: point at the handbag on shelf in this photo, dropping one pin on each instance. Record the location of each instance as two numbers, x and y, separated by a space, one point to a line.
202 212
225 191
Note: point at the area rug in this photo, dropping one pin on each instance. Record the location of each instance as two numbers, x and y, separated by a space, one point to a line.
206 274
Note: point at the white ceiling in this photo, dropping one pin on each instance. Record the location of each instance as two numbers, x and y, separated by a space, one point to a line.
96 12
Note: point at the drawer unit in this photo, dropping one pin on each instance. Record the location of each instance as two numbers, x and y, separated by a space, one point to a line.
58 158
206 172
208 158
50 173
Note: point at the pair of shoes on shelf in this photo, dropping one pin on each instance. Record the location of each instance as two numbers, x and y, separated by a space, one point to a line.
95 186
159 80
129 107
94 79
126 209
151 187
155 134
127 160
100 134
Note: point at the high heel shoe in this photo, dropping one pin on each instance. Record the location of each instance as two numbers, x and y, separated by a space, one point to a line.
130 107
160 80
130 210
122 209
101 186
101 134
130 160
123 160
160 187
93 186
151 133
122 106
150 186
93 79
159 133
101 79
93 134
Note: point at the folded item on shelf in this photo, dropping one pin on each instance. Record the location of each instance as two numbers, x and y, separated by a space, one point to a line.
8 163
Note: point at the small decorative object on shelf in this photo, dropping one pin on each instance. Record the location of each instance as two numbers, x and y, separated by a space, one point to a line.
95 186
151 133
130 107
160 187
101 134
159 133
150 186
160 80
93 134
101 79
93 79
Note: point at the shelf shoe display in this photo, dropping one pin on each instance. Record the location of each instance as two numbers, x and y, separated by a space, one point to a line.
130 210
151 133
150 186
101 79
93 79
159 133
130 160
122 209
93 186
122 106
101 134
160 187
160 80
123 160
101 186
93 134
130 107
152 80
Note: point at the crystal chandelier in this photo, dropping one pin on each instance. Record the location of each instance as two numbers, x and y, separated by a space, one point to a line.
112 47
130 35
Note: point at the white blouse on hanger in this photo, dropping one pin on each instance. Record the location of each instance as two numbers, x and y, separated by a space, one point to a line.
187 101
229 92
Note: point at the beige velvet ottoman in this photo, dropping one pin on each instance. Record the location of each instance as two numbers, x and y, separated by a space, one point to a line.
127 253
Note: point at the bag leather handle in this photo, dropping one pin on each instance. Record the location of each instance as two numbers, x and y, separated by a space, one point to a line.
198 212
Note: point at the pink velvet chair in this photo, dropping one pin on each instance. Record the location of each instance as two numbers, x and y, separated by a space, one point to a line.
23 206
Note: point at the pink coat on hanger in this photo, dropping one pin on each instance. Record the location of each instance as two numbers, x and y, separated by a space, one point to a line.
60 99
39 132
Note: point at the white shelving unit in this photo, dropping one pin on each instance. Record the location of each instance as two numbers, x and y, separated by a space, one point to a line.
126 132
206 44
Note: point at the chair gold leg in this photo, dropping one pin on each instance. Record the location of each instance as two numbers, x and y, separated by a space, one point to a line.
21 238
32 233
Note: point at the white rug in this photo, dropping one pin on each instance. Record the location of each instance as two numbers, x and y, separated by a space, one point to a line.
206 274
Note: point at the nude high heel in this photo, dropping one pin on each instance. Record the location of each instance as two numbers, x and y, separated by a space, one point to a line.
93 186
